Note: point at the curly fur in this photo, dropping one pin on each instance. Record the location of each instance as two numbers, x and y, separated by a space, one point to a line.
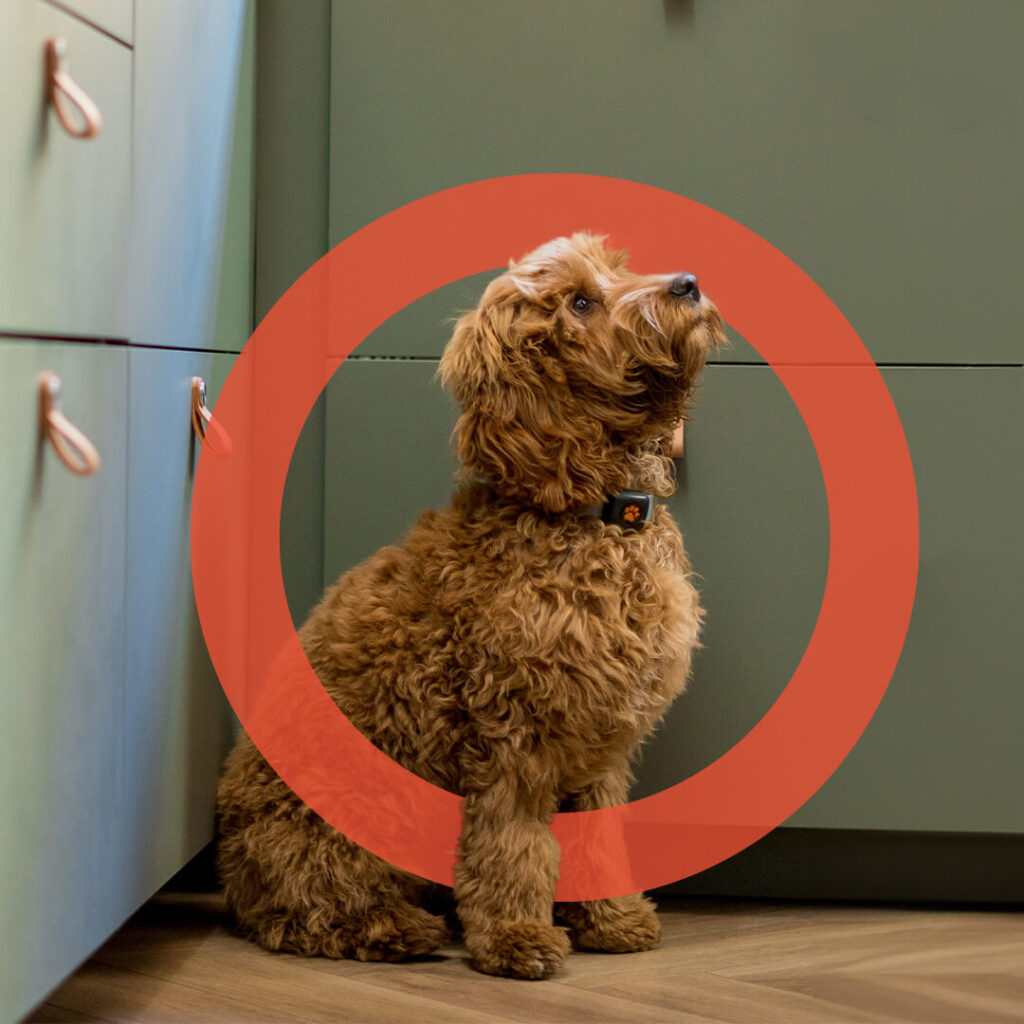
513 648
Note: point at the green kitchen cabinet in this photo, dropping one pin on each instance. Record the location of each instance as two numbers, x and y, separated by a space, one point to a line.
62 649
877 145
129 266
942 753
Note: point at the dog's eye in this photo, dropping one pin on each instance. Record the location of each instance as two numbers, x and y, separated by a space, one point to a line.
582 305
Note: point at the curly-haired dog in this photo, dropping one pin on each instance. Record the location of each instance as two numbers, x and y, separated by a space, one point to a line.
515 648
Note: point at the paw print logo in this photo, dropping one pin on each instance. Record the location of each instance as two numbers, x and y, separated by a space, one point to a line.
631 513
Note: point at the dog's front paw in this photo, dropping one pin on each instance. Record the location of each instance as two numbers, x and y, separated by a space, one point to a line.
625 925
519 949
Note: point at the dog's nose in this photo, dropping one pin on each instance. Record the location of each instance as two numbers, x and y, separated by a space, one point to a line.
685 285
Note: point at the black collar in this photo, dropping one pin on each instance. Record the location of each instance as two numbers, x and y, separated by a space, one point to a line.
628 509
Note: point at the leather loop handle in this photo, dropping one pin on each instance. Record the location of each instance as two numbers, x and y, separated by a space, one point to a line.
73 448
210 433
62 89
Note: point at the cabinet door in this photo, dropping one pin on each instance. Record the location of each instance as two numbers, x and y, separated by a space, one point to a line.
177 722
64 202
62 630
876 143
943 751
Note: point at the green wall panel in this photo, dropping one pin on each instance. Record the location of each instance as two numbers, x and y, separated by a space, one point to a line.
875 143
943 751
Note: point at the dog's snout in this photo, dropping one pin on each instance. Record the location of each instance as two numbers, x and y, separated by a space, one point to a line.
685 286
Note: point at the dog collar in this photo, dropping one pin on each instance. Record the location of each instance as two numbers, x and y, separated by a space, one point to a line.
628 509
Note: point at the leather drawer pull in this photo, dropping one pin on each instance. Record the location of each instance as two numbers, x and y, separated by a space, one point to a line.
210 433
73 448
62 89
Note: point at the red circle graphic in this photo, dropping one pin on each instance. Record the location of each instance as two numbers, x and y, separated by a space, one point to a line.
817 356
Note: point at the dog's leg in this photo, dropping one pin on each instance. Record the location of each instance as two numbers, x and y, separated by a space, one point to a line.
295 884
505 883
625 924
300 887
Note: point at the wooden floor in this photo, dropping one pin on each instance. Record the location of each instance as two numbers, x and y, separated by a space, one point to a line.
175 961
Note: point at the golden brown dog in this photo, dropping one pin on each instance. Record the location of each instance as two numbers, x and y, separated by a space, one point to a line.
514 648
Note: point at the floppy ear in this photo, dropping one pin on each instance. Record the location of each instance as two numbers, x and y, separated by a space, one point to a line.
521 427
470 361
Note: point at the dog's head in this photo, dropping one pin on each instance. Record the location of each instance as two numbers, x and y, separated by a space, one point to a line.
572 372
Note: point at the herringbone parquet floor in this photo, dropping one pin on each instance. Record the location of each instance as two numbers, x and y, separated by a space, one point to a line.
720 961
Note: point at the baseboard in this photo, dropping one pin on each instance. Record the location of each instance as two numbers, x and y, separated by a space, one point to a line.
894 867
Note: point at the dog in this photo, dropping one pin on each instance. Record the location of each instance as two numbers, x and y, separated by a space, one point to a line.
518 645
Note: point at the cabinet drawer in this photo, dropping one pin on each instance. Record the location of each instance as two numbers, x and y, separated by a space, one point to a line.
875 143
62 627
178 726
943 751
64 201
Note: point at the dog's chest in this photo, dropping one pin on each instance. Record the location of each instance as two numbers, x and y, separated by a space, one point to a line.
591 642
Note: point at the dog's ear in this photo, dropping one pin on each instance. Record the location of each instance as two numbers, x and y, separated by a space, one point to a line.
471 360
521 427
